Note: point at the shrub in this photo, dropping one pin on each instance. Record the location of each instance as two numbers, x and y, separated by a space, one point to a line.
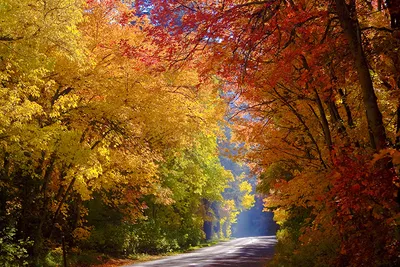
13 251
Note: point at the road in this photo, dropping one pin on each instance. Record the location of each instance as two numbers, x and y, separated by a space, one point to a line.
240 252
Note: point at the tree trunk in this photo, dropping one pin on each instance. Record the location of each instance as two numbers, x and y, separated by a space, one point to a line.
207 228
349 23
60 204
394 11
350 121
324 121
336 119
207 221
306 128
397 142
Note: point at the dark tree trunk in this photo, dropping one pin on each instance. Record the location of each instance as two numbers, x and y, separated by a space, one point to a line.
349 23
4 177
350 121
335 117
397 144
394 11
324 121
207 223
207 228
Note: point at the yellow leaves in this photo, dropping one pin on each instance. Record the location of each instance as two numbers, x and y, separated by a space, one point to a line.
245 187
302 191
85 179
163 196
81 187
185 78
384 153
68 147
40 33
18 112
280 216
248 199
229 211
104 152
81 233
16 104
64 104
84 99
41 29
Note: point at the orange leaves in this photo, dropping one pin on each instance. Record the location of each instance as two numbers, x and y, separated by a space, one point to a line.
289 65
364 205
353 202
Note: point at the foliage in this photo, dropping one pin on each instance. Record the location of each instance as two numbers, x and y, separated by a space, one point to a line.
315 99
248 199
111 112
13 252
91 119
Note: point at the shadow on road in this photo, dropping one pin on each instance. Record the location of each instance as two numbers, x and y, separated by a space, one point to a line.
252 255
242 252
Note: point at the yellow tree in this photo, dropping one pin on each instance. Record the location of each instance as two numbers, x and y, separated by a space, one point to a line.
84 110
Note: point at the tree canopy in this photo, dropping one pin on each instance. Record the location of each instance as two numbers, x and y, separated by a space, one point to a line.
92 121
112 116
315 88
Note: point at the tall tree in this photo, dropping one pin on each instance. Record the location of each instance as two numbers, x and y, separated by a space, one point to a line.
296 68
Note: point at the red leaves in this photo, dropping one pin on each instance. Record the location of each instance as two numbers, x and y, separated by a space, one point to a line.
355 188
277 55
364 205
126 17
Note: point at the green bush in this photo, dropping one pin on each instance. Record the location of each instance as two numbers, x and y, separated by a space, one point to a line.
152 239
53 258
77 258
300 248
13 252
107 238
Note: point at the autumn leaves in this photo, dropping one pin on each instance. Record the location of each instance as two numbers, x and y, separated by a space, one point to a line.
316 87
88 109
90 106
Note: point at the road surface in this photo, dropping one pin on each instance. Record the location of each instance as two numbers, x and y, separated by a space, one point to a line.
240 252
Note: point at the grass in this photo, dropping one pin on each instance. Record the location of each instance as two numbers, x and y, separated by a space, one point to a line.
95 259
146 257
202 245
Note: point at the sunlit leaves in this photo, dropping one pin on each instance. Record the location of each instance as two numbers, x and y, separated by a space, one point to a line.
87 109
298 95
248 199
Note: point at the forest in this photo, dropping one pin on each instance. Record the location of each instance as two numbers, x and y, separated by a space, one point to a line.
114 117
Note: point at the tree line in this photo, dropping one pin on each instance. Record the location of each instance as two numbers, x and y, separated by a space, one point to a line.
102 142
315 86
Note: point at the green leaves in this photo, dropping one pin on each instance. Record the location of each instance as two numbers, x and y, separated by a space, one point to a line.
87 110
13 252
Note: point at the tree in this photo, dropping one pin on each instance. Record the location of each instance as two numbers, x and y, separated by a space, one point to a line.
297 69
88 112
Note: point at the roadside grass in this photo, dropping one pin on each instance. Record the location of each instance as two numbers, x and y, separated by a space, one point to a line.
202 245
96 259
147 257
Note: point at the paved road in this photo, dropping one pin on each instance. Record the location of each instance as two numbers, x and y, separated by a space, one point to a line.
240 252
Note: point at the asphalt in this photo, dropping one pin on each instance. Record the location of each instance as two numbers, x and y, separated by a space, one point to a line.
240 252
